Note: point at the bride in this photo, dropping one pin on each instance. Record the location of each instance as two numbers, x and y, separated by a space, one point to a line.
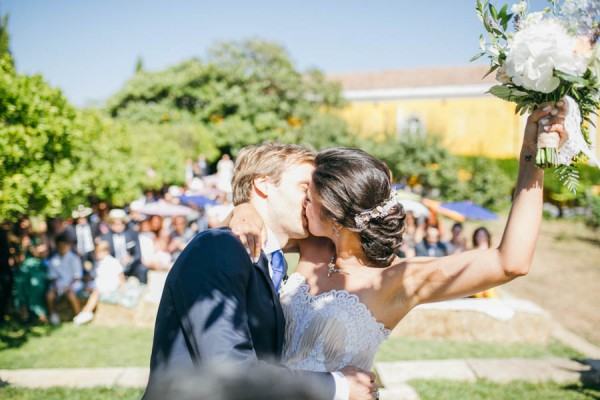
349 289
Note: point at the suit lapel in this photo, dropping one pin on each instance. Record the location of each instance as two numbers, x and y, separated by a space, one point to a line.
263 266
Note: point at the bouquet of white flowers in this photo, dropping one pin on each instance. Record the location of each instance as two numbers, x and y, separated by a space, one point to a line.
550 55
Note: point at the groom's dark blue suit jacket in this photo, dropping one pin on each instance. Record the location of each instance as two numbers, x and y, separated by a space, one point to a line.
218 306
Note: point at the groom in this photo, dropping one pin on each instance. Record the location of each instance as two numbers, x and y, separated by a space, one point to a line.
218 307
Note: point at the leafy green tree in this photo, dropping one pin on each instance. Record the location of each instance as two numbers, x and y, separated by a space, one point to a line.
486 184
4 37
37 141
139 65
163 149
592 218
245 93
418 161
107 168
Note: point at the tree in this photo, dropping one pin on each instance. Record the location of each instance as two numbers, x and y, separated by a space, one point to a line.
37 140
107 167
164 148
4 37
425 164
245 93
139 65
418 161
485 184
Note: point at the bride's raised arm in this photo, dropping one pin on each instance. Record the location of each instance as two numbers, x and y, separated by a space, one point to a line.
424 280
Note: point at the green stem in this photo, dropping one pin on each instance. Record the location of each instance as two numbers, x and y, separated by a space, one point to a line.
546 157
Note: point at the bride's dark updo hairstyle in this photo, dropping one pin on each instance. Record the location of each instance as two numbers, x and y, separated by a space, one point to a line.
349 182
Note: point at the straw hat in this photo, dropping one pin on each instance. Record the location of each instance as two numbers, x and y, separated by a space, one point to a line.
81 212
117 213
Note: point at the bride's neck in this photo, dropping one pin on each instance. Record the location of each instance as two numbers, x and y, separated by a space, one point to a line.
349 250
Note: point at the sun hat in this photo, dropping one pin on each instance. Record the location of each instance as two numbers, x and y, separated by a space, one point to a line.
81 211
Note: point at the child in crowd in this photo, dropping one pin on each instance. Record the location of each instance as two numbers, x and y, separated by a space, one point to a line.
109 280
64 273
30 282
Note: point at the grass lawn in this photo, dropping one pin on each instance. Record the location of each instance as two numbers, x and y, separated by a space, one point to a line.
69 346
486 390
397 349
14 393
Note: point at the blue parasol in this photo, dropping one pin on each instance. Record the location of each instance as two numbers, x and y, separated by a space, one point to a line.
200 201
470 210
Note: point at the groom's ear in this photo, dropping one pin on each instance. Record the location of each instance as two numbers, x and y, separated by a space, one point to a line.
261 186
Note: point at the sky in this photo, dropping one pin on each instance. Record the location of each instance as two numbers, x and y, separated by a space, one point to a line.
89 48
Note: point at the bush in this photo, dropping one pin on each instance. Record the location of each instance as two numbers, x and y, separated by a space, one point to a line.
485 183
418 161
554 191
593 217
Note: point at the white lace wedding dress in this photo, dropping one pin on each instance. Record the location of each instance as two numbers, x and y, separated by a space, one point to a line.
329 331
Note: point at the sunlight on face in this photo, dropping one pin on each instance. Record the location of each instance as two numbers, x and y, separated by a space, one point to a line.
316 225
287 200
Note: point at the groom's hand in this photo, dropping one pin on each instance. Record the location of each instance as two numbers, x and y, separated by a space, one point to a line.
361 383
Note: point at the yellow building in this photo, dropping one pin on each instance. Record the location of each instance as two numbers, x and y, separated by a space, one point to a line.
450 102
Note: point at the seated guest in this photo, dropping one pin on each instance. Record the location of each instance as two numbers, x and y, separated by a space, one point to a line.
30 283
108 281
458 242
431 245
180 236
64 273
83 231
125 246
153 248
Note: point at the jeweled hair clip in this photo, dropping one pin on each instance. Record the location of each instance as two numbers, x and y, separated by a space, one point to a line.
383 210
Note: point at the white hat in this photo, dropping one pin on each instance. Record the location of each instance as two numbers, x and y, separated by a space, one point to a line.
81 211
117 213
136 205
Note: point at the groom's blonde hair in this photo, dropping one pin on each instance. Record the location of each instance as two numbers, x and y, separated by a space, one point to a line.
267 159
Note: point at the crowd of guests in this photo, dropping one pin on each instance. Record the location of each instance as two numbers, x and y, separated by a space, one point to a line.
94 255
424 238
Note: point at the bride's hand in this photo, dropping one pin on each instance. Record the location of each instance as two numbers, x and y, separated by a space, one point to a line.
247 224
548 117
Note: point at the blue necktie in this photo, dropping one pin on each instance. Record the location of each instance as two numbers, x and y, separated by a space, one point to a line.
278 266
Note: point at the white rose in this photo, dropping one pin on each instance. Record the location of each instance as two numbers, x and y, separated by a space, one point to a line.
537 51
519 8
531 20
